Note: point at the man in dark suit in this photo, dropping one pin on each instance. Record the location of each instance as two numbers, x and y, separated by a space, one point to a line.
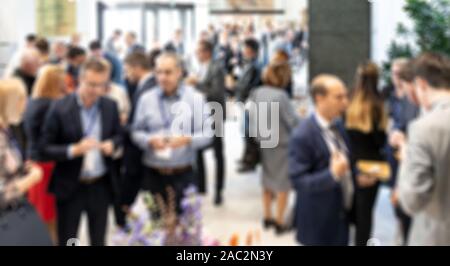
251 75
210 80
26 72
320 168
132 43
96 50
81 132
249 80
139 69
176 45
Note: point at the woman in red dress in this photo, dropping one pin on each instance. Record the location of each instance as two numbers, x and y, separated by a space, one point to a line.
49 86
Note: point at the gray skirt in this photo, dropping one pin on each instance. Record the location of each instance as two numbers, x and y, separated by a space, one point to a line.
275 165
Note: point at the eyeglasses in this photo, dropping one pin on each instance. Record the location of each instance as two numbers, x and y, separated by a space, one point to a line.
92 85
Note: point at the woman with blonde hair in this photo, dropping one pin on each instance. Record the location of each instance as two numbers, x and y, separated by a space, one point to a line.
49 86
274 158
21 225
366 123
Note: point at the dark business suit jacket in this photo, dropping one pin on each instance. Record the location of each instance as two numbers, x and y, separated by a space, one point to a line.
132 158
148 85
34 119
62 128
213 86
250 80
321 218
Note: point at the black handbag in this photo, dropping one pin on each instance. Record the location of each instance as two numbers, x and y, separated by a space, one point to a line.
21 226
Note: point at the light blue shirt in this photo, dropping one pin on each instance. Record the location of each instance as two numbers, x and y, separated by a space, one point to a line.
185 113
91 125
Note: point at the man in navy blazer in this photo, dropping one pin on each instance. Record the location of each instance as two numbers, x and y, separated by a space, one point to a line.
320 168
81 132
139 69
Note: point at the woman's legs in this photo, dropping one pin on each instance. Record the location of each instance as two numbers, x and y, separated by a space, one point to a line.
282 200
51 225
267 204
365 202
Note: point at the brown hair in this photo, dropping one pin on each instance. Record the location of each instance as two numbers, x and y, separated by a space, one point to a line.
206 46
434 68
50 83
278 73
407 71
366 108
98 65
138 59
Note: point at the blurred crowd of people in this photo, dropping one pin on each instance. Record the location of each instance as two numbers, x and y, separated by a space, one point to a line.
83 129
358 139
86 128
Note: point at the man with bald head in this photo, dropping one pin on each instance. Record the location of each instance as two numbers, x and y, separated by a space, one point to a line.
320 168
28 68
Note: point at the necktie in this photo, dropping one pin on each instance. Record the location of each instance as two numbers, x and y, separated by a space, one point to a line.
346 182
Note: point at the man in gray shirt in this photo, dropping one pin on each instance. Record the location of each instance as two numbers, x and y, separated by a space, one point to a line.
170 126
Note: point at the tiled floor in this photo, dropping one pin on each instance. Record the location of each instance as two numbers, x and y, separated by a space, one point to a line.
242 211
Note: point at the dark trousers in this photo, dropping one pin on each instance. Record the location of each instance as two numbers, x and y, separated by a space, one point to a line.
93 199
119 214
158 185
405 223
133 174
364 204
217 145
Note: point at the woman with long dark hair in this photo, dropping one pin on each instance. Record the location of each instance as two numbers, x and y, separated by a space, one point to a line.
366 123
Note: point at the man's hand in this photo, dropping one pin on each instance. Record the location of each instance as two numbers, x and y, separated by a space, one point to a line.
35 172
158 143
401 155
365 181
107 148
84 146
339 165
179 142
191 80
397 139
394 197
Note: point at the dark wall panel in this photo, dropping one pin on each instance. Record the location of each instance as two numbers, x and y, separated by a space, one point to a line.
339 36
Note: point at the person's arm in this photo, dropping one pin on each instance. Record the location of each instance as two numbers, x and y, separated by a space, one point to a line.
243 86
204 86
19 186
126 108
49 143
141 133
287 113
300 164
214 85
416 178
202 130
32 126
117 137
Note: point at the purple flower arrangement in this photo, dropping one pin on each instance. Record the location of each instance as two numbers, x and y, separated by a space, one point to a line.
168 228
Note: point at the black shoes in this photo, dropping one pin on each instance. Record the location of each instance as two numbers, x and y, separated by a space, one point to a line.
218 200
246 168
268 223
279 229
